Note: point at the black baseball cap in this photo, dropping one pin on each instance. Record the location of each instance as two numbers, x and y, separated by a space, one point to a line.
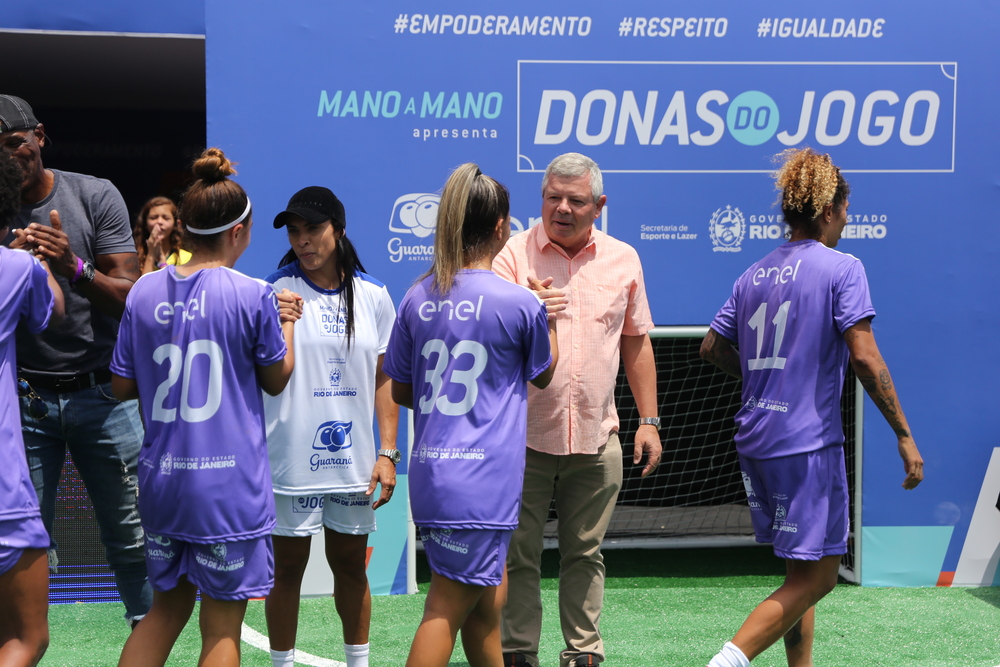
314 204
15 114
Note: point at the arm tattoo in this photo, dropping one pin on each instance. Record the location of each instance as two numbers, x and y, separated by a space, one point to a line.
132 268
720 352
885 379
883 395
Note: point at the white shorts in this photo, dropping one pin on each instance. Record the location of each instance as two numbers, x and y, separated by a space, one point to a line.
302 516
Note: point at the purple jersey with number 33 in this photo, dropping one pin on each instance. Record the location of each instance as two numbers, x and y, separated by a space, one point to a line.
788 314
468 356
192 344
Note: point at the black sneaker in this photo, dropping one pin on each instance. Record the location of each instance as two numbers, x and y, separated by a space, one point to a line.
515 660
586 659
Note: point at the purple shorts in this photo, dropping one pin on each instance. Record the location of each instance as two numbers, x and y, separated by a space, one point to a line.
17 535
799 503
224 571
471 556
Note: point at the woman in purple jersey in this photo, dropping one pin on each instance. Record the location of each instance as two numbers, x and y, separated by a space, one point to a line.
191 543
789 439
30 295
471 403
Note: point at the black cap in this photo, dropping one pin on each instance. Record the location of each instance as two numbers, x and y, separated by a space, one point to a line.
314 204
15 114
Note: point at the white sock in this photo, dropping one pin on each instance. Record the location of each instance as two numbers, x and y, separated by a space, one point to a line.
357 654
729 656
283 658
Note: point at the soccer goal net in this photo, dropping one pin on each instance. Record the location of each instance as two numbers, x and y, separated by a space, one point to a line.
696 496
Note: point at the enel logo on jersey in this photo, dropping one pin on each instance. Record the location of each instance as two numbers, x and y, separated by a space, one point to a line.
333 436
165 310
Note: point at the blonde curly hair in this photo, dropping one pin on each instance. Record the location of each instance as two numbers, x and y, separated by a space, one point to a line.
808 182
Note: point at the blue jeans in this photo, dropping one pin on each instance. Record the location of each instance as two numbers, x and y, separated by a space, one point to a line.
104 437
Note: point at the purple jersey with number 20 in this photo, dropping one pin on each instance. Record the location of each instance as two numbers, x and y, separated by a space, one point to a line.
468 356
192 344
788 314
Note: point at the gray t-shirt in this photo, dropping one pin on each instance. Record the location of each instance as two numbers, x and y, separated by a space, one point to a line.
95 219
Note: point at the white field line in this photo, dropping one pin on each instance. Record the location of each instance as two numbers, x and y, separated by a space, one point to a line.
257 640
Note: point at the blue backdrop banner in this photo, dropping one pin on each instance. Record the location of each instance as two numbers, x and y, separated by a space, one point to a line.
683 106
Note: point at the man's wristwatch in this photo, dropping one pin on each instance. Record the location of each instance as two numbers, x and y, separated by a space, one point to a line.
650 421
392 454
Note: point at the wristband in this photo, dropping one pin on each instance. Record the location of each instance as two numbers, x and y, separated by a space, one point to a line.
79 271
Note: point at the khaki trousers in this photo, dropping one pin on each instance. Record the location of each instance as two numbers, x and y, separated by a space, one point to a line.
585 487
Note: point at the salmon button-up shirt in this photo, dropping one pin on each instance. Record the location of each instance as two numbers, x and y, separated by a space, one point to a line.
576 413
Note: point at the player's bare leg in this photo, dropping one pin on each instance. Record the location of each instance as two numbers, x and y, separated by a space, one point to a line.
150 643
346 555
806 582
445 611
481 630
799 640
291 554
24 625
221 623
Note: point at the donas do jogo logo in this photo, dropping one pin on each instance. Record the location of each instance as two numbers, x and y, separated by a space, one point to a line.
674 117
414 218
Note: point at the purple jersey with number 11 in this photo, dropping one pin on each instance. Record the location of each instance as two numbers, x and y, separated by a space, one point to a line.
788 314
192 345
468 356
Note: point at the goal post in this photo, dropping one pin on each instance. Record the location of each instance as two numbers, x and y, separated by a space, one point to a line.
696 496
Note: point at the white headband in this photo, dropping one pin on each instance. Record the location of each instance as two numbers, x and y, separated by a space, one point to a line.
216 230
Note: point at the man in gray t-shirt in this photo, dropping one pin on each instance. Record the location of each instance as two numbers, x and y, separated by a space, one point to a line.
80 226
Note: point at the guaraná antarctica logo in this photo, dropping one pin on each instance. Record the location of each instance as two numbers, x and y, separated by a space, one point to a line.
333 436
414 214
727 229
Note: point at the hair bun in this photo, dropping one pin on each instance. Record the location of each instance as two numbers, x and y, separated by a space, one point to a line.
212 166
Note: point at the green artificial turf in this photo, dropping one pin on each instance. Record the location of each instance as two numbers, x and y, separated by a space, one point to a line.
662 607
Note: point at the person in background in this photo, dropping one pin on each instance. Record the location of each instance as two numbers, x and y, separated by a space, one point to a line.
158 234
794 321
574 453
463 350
198 343
324 463
80 226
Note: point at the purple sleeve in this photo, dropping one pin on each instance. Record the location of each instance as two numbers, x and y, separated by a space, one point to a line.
852 301
398 361
538 350
725 320
122 363
270 345
37 308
